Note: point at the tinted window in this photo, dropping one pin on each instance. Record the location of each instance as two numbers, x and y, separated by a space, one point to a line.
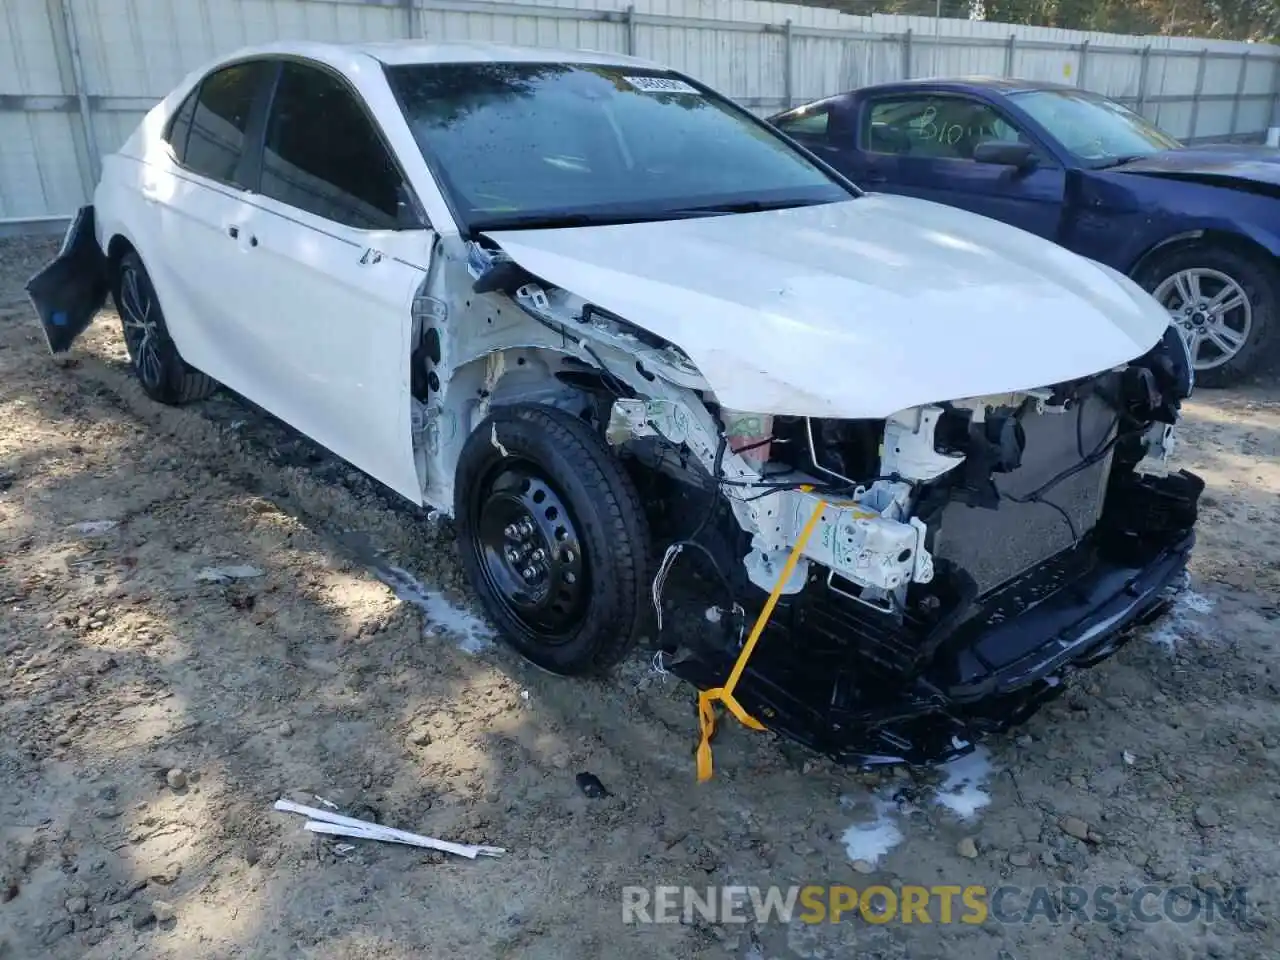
180 127
935 127
221 118
323 154
513 142
810 124
1092 127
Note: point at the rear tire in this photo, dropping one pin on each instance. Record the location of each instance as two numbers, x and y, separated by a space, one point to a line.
553 538
160 369
1226 345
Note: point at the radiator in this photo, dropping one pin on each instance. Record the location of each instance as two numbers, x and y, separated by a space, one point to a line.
996 545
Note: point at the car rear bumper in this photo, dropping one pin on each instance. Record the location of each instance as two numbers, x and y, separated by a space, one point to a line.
72 288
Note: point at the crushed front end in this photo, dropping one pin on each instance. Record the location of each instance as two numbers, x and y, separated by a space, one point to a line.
971 554
968 554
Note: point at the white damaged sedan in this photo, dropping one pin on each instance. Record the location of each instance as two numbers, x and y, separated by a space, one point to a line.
616 326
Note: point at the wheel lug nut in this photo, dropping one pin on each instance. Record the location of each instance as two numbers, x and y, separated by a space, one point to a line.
513 555
538 554
511 530
530 573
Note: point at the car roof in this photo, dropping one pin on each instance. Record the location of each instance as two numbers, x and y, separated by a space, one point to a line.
998 84
402 52
1002 85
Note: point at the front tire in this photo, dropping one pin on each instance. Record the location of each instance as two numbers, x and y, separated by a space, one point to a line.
553 538
160 369
1225 303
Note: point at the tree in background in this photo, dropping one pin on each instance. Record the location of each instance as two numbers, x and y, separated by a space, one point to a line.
1257 20
1223 19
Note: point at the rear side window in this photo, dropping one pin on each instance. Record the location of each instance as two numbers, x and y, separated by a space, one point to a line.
180 127
323 154
223 106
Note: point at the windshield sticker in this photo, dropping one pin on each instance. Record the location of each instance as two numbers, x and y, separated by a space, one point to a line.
660 85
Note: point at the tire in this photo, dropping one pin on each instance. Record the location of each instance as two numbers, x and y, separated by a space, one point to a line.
1258 320
544 474
160 369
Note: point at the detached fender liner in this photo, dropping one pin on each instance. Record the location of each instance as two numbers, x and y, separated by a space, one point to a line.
72 288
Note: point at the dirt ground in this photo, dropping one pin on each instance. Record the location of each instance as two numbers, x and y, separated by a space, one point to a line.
308 675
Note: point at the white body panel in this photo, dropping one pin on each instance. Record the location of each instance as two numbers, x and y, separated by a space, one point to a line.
858 309
855 309
324 339
283 312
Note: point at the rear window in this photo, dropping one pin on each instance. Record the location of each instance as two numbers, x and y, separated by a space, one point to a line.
513 140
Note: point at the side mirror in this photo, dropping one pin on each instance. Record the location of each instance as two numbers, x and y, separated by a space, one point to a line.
1005 154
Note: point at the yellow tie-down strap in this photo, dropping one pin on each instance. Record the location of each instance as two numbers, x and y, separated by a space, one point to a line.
706 699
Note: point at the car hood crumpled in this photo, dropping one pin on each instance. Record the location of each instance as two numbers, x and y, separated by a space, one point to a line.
1224 162
853 309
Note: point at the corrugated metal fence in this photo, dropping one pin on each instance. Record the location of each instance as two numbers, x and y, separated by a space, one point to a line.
77 75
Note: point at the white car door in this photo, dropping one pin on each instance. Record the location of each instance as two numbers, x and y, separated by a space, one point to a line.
338 250
195 201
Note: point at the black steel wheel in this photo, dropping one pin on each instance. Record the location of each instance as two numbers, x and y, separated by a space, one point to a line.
553 538
531 550
160 369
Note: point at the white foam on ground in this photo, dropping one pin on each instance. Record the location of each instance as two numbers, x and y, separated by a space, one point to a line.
1166 636
872 840
1169 632
963 792
1195 602
473 635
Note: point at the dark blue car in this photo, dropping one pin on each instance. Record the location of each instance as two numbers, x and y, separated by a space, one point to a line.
1197 226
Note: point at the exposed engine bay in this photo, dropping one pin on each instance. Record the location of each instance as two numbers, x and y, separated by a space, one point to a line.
969 552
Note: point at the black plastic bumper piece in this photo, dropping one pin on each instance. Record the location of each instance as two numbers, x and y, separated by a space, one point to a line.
1000 651
72 288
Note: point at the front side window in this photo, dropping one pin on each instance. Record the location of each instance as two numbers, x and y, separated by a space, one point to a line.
221 118
1093 128
323 155
935 128
810 124
544 143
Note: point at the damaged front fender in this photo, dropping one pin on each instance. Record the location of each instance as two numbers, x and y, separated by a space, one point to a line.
72 288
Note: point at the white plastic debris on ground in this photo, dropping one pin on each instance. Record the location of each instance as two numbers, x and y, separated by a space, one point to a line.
337 825
91 528
872 840
963 792
472 634
227 574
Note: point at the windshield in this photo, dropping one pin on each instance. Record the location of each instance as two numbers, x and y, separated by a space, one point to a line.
529 144
1093 128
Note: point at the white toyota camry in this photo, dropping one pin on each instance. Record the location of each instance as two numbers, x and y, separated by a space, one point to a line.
615 325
